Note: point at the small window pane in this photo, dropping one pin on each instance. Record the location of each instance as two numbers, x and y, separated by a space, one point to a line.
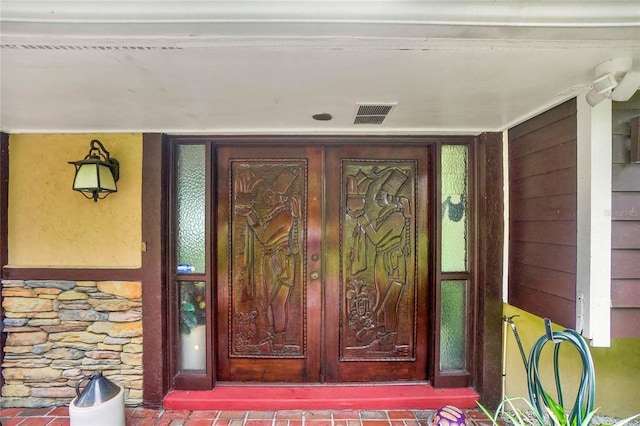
193 329
191 208
453 319
454 159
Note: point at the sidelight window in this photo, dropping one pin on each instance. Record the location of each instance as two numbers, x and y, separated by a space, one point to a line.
190 208
453 285
190 275
454 208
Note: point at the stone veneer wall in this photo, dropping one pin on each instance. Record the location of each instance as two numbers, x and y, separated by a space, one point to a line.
59 331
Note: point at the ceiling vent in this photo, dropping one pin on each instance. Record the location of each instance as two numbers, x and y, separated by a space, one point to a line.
372 113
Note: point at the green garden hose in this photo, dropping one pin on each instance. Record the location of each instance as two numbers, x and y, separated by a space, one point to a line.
585 396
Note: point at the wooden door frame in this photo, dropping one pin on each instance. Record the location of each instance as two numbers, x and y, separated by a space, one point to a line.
485 377
4 230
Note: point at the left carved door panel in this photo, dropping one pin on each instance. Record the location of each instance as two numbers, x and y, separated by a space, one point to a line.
269 302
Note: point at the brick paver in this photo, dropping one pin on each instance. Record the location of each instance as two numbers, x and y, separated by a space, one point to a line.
59 416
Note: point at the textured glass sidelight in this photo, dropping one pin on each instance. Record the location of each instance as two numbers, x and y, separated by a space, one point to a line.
193 338
453 319
190 189
454 160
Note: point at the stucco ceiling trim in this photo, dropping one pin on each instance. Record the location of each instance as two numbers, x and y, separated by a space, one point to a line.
503 13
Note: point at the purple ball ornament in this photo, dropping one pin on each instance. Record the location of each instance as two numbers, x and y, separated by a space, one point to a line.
448 416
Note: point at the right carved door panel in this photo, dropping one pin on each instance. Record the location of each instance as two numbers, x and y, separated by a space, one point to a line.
322 264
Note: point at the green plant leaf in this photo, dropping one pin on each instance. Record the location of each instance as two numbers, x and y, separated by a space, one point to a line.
514 416
489 416
627 420
555 410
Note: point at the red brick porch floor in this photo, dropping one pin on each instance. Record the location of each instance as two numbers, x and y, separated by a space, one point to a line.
145 417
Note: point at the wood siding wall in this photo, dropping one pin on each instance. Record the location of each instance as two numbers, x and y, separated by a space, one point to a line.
625 226
543 210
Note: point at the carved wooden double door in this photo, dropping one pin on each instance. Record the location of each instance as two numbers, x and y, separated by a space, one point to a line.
322 263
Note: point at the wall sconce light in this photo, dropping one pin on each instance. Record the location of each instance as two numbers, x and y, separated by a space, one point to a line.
97 173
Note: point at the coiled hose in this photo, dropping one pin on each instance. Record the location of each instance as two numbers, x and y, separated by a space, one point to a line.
585 396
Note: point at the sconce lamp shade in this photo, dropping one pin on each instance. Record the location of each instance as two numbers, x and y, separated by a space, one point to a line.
96 174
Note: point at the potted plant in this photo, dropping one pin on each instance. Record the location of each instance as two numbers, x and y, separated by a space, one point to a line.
192 326
192 306
556 416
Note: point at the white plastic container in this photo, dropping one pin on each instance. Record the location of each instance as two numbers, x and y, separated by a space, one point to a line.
108 413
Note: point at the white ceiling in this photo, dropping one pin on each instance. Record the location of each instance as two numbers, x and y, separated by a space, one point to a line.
257 67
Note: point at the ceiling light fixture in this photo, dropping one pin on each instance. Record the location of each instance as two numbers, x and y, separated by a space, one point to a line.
322 116
614 80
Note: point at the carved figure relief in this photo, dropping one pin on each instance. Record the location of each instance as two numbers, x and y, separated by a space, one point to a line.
378 238
267 291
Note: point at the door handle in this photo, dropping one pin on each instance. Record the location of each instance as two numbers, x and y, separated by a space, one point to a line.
315 275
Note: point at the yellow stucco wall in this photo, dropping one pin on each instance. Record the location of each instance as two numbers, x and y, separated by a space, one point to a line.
50 225
617 368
